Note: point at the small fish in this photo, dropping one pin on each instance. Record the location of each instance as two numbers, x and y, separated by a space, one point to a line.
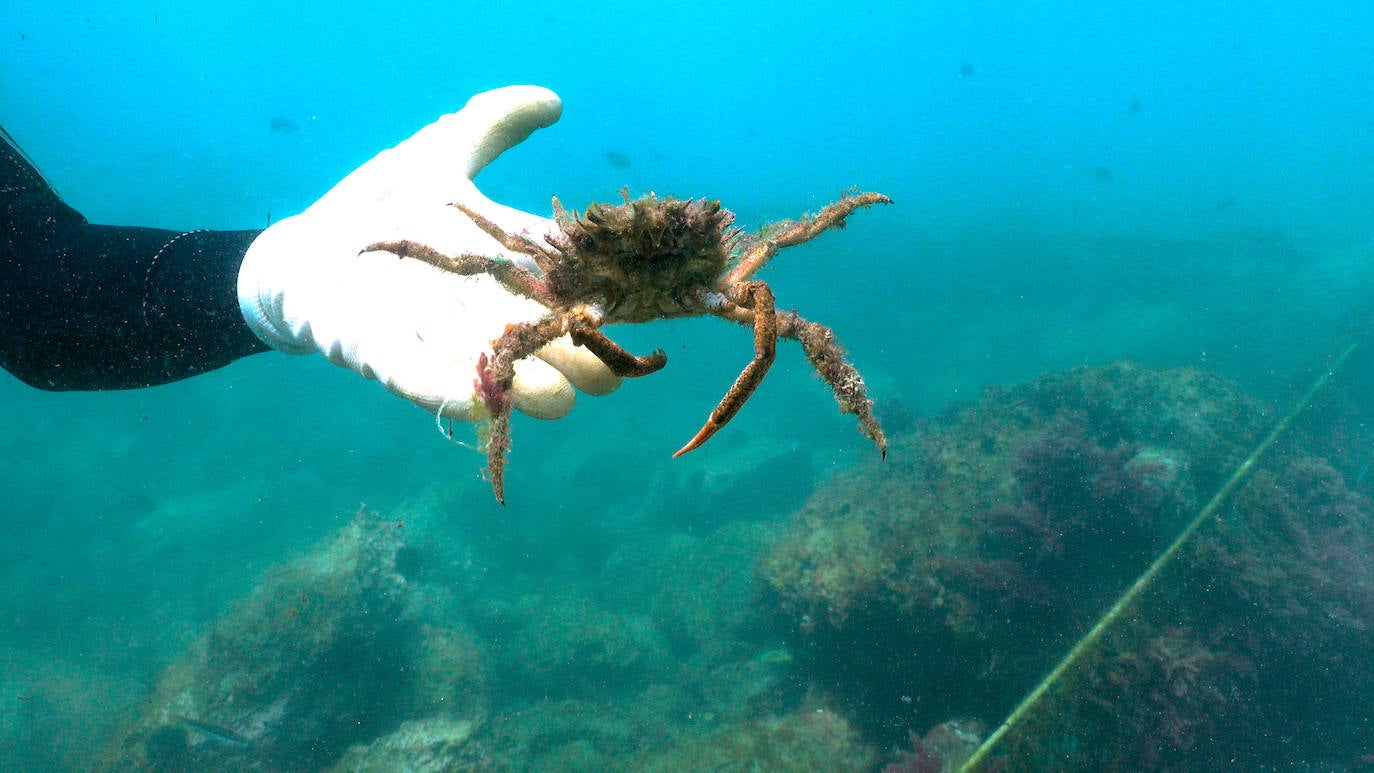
617 159
213 732
775 658
281 125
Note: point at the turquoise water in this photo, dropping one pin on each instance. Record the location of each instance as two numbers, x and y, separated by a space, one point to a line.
1177 185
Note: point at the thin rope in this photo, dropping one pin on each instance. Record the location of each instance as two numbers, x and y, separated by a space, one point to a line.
1143 582
448 431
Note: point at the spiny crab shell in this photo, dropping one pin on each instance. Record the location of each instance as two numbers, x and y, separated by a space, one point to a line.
643 260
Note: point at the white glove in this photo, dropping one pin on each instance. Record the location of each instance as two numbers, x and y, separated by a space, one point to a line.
305 287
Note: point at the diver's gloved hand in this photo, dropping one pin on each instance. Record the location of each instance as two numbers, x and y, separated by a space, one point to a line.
307 286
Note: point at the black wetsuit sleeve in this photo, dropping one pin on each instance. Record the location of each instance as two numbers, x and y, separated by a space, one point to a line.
110 307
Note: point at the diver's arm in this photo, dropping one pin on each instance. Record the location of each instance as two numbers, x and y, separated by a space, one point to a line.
103 307
108 307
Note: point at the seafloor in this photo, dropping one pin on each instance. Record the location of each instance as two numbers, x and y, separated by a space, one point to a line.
891 619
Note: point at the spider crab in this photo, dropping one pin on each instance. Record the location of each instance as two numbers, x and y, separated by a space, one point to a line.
646 259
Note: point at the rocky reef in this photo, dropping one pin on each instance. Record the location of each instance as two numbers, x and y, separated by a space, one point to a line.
945 583
386 648
330 651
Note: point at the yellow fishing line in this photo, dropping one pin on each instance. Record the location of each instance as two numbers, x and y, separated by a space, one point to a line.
1139 586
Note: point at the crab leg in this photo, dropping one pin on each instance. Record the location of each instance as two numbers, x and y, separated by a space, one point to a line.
759 296
510 275
803 230
494 381
616 357
514 242
829 359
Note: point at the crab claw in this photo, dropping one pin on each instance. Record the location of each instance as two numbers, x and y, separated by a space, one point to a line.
702 436
758 297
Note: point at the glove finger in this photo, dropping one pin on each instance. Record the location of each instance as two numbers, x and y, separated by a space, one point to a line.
495 121
541 391
436 165
584 369
447 395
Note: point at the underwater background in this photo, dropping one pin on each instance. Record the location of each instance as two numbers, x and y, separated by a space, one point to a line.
1178 186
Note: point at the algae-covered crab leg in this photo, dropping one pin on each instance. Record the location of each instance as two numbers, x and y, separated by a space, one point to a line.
496 376
830 360
804 229
621 361
509 274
